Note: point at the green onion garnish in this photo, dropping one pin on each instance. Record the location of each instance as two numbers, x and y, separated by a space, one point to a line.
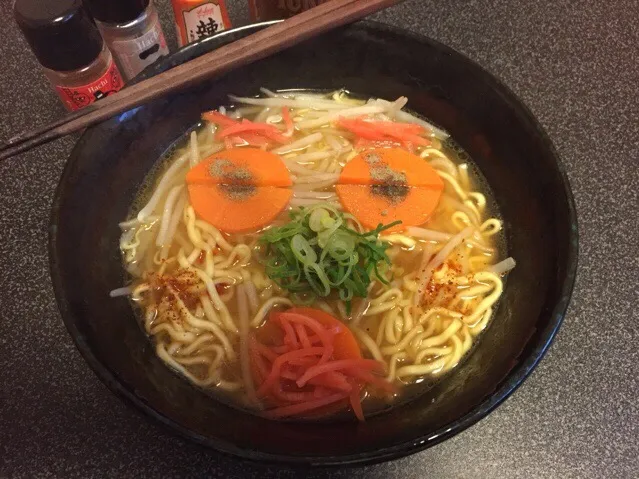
317 254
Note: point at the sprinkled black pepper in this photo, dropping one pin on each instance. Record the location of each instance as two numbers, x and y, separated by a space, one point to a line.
238 192
392 184
239 186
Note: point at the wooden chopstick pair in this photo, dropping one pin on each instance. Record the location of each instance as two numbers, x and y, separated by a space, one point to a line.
274 38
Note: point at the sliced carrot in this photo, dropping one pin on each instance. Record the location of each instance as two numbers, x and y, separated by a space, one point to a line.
405 135
332 380
244 132
303 337
372 210
410 138
376 381
361 129
238 213
247 166
333 366
290 335
368 169
238 190
279 362
314 326
218 118
345 345
356 403
321 392
269 131
287 373
250 139
303 362
390 184
385 130
302 380
288 121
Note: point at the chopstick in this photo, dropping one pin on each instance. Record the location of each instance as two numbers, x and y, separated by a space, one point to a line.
279 36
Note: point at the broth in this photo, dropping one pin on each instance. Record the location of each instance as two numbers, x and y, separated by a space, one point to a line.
190 291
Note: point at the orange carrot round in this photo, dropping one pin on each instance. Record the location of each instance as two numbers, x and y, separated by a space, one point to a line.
237 208
415 207
239 190
386 164
387 185
247 166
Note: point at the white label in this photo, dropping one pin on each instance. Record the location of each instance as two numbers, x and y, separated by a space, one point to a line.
135 55
203 21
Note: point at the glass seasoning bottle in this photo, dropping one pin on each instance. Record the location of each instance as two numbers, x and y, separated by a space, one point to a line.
263 10
197 19
132 31
70 49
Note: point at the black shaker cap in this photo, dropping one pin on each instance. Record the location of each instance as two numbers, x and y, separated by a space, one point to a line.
61 33
116 11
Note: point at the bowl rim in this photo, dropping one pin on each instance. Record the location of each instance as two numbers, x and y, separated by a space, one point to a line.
511 382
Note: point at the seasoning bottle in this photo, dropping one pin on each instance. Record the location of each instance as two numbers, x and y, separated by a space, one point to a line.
263 10
70 49
197 19
132 31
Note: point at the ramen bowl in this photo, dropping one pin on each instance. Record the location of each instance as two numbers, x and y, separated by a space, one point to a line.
111 161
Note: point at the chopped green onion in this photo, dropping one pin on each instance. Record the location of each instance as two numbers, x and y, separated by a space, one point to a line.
317 253
302 250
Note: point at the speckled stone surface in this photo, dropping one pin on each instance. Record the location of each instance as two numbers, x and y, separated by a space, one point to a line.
576 65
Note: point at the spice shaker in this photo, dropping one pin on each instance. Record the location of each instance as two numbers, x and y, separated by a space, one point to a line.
70 49
262 10
132 31
197 19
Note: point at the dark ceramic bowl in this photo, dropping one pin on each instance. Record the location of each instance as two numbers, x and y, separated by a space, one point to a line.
110 161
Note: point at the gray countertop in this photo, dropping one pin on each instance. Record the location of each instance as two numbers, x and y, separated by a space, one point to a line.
575 64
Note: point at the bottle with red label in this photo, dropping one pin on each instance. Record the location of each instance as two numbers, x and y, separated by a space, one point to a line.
197 19
70 49
263 10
